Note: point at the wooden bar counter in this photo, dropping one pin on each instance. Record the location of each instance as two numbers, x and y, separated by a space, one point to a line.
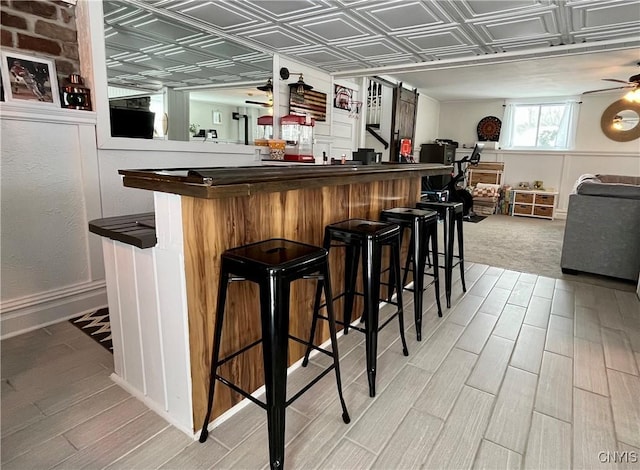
220 208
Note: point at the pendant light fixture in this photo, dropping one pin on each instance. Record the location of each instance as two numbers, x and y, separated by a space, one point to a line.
267 88
300 86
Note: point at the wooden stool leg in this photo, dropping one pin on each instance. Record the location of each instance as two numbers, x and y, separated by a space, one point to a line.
274 305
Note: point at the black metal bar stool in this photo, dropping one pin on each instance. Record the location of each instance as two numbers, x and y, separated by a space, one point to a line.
273 264
451 213
368 237
423 225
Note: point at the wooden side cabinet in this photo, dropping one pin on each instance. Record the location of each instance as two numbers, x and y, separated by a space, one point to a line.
531 203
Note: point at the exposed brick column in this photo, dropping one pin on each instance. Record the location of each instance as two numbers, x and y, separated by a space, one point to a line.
43 28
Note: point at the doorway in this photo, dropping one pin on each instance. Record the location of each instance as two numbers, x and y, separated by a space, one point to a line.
403 119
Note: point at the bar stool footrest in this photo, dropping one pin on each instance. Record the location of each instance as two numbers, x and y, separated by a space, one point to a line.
262 404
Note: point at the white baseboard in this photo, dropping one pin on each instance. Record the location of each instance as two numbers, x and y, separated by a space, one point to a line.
561 214
152 405
35 311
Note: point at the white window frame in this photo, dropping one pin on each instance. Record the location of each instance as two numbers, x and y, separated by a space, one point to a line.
567 130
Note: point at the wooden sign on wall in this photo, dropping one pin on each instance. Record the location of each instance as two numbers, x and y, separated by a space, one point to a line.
311 102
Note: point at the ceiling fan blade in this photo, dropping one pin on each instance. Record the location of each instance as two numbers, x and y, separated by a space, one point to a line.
603 89
617 81
261 103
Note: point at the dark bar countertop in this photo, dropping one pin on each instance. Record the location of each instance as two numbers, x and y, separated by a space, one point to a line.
222 182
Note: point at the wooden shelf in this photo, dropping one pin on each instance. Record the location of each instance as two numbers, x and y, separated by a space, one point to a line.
533 203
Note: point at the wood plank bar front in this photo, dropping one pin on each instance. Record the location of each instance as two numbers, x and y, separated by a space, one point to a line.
296 211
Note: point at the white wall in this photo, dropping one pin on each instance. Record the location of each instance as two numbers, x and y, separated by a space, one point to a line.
343 138
558 170
459 120
60 170
50 268
229 130
427 125
339 133
590 137
594 153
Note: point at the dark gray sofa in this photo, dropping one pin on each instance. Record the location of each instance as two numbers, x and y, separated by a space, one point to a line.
602 232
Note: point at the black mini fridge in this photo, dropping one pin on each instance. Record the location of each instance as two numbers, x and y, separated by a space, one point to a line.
437 153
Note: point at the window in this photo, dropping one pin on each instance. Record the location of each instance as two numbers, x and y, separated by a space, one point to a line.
545 125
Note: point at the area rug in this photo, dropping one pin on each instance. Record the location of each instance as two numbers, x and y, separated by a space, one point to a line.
97 326
475 218
527 245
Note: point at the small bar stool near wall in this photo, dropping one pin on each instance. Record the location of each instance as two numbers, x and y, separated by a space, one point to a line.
423 225
451 213
368 237
273 265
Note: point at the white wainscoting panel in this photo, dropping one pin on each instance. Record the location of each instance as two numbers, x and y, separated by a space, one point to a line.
149 320
111 276
148 313
128 295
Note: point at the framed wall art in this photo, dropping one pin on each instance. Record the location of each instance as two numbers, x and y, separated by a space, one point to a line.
311 102
29 80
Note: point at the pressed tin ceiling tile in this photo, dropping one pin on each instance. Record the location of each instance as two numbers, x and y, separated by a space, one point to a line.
335 28
286 9
339 36
217 14
437 40
374 49
526 27
276 37
403 15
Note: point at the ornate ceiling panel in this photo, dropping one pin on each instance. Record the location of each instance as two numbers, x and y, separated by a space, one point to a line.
156 42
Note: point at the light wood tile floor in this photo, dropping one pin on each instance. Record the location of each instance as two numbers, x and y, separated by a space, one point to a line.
522 372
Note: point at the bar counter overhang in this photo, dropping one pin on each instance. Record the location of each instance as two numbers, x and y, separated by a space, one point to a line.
162 300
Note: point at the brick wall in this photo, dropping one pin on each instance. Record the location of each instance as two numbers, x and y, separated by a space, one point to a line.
43 28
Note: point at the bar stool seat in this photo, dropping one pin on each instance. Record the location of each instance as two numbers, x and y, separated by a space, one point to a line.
451 213
273 264
423 225
367 237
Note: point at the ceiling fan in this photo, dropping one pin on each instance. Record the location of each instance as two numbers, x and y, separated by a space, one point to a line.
268 89
633 83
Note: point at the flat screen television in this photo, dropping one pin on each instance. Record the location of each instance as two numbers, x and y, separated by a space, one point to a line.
134 123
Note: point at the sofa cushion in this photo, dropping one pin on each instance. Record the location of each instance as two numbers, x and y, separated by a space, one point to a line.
635 180
619 190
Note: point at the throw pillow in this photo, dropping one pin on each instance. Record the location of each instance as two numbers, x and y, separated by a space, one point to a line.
486 190
483 192
586 178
